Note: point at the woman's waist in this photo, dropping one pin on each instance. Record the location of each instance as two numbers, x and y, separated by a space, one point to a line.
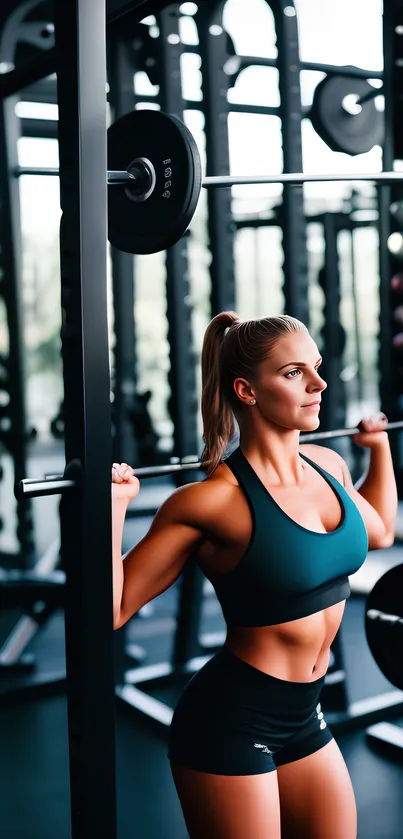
298 650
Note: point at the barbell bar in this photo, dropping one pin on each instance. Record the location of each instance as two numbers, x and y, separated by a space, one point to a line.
125 178
57 484
117 178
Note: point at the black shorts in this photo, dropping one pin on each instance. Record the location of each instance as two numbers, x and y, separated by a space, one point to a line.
233 719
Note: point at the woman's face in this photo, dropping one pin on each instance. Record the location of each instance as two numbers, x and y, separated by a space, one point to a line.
288 383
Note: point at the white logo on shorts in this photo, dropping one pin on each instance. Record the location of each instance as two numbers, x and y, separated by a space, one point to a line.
319 712
263 748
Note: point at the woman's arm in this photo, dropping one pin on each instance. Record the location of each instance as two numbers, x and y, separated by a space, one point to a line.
378 487
376 495
156 562
153 565
119 509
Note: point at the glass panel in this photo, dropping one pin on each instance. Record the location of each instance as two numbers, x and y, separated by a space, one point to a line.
188 30
151 340
256 86
316 254
341 32
366 269
251 27
258 272
40 219
191 76
255 149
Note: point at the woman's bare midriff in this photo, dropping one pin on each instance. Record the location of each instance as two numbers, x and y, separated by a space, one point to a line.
298 650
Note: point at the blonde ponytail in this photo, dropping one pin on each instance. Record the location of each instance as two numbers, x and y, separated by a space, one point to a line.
218 418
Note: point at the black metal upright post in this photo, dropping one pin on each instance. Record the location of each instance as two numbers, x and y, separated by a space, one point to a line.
215 84
333 414
86 512
291 213
182 375
125 448
13 432
389 358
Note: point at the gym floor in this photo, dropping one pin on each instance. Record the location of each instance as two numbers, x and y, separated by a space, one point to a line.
34 791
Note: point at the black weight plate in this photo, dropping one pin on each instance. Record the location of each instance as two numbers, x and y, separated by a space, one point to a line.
385 634
158 222
342 131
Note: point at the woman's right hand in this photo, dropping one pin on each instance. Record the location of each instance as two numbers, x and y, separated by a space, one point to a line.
125 485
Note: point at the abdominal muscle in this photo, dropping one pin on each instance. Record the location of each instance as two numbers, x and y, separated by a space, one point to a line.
296 651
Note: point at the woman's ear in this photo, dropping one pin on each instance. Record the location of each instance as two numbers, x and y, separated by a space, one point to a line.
244 391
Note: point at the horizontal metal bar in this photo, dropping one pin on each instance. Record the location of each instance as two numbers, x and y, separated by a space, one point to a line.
155 471
28 74
245 108
344 432
170 469
344 70
32 488
38 128
329 69
217 181
221 181
115 178
372 94
35 170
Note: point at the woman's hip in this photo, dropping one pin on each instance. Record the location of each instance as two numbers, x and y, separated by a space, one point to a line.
229 703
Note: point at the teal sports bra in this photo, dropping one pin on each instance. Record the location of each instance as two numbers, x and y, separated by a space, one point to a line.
287 571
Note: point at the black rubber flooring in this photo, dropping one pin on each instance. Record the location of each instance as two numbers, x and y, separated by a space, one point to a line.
34 787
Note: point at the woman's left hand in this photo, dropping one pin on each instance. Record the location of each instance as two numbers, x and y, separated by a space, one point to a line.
372 431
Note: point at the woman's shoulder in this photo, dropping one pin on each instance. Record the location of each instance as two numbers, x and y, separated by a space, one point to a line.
205 498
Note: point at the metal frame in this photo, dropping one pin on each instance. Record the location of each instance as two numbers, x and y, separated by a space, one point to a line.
388 265
333 334
86 513
13 437
182 377
291 212
385 736
216 109
125 446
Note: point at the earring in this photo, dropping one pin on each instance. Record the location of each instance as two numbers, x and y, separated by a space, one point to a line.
252 401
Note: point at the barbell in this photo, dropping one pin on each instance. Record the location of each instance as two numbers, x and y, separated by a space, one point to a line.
155 168
57 484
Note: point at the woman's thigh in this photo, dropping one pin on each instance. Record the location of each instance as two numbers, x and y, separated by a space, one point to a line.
317 797
228 806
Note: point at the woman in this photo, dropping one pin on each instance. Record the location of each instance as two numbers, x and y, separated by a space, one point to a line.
277 527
